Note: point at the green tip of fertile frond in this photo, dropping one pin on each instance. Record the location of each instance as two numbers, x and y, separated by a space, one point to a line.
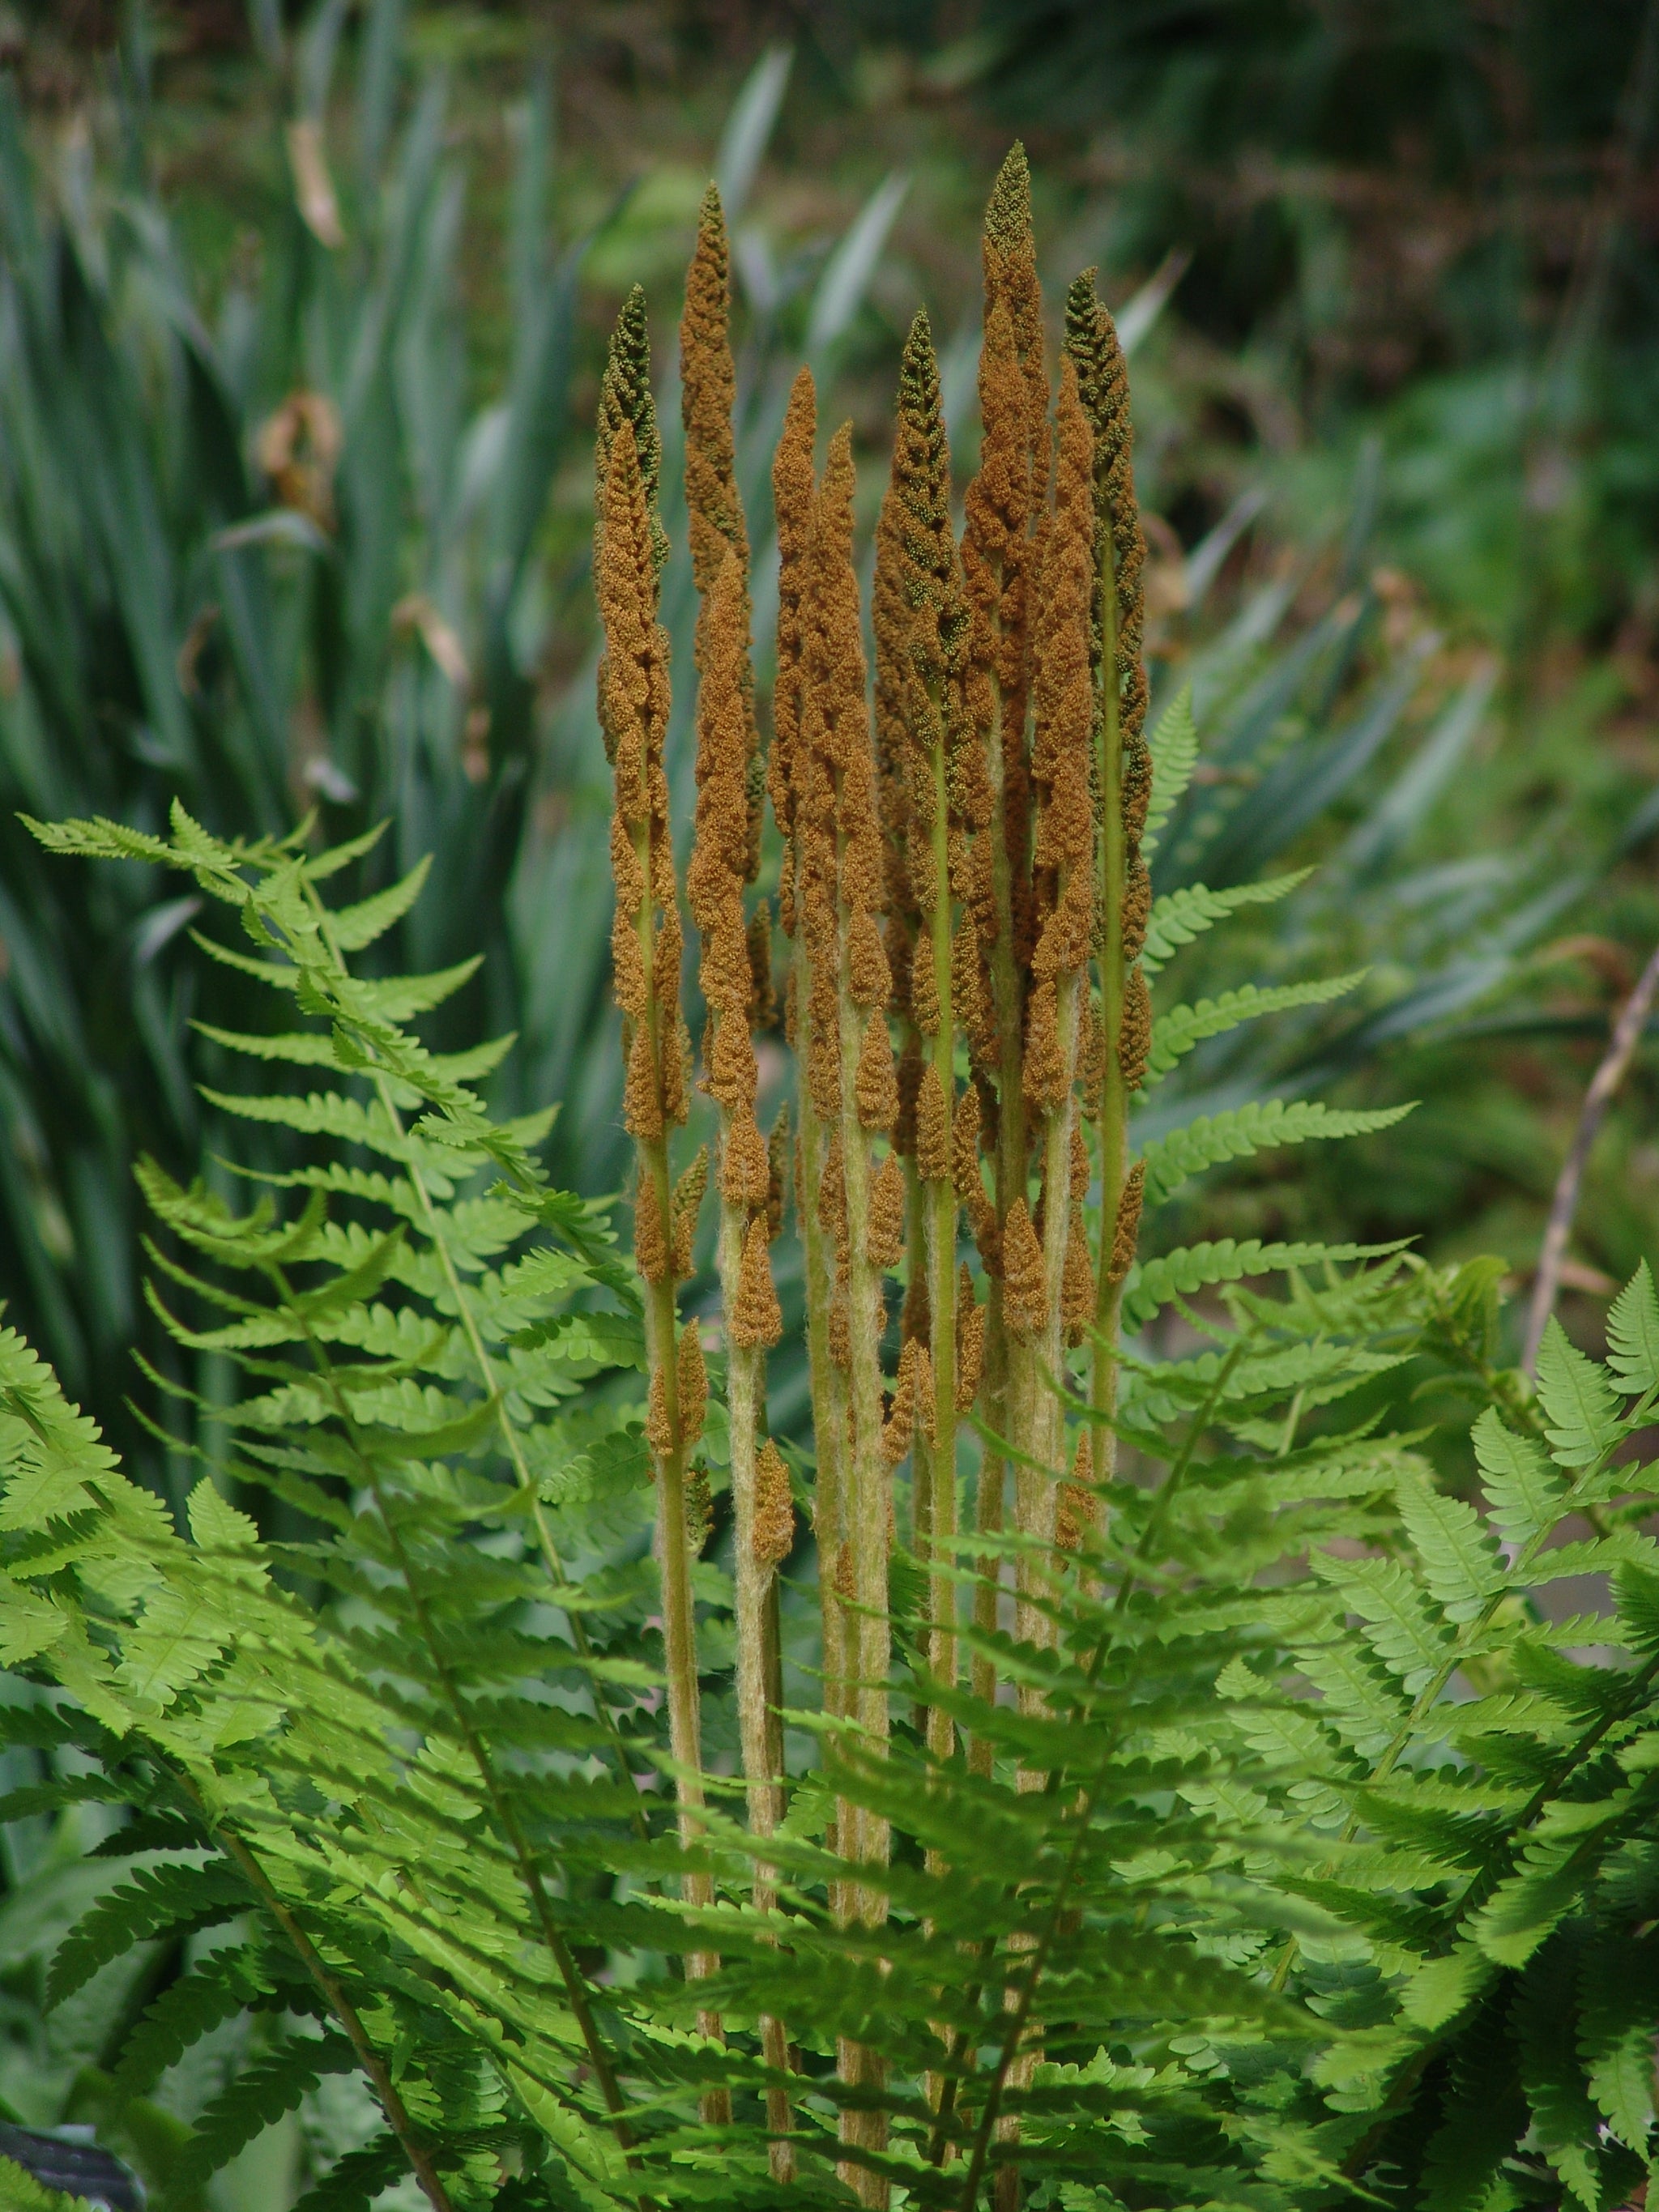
625 396
711 216
1091 344
1008 212
919 397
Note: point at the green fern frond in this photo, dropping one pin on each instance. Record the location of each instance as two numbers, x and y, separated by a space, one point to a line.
1318 1798
1633 1334
353 927
1181 1028
1524 1489
1580 1409
1174 756
354 2181
1178 917
260 2095
153 1900
1152 1284
1261 1126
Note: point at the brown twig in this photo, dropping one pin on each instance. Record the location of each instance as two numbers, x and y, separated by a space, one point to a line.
1626 1033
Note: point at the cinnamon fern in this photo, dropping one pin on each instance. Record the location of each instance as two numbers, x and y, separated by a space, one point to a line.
1156 1786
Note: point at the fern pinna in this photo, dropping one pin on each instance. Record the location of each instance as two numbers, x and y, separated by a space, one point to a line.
1207 1807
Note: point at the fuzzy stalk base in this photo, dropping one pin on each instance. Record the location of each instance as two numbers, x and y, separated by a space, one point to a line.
941 1203
867 1506
1007 1364
758 1663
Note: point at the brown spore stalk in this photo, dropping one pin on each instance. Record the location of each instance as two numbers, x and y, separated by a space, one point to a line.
948 807
647 950
849 1078
1063 906
1123 774
714 882
1001 548
794 499
714 518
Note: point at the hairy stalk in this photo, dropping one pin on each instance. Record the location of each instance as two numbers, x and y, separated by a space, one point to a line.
793 495
1047 1291
646 955
853 1087
714 506
754 1322
890 619
1123 786
1055 1308
726 856
1004 507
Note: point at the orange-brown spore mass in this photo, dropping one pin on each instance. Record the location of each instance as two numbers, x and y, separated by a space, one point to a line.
970 1342
1126 1228
693 1384
793 501
1061 750
1025 1283
773 1535
757 1319
1005 503
886 1238
713 508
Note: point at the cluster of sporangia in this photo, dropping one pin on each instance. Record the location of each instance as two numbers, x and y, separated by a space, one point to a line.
963 901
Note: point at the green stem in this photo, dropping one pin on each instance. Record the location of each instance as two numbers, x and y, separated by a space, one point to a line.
868 1505
332 1992
826 1382
1007 1364
867 1491
673 1549
507 1819
1036 1484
